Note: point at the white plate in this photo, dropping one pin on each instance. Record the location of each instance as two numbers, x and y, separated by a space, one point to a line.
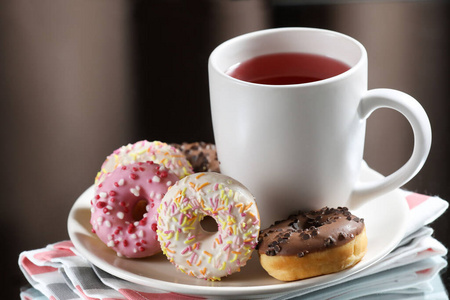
385 220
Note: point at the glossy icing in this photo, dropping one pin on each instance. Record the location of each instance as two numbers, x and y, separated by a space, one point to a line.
142 151
199 253
115 214
309 232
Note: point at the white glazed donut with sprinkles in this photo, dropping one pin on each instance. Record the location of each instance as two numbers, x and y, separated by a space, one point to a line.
123 210
158 152
195 251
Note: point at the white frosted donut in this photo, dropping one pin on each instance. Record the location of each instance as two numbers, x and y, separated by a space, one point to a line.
143 151
199 253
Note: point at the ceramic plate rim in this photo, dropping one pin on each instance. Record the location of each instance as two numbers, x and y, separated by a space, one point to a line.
81 245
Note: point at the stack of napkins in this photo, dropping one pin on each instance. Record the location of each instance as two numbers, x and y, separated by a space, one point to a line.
410 270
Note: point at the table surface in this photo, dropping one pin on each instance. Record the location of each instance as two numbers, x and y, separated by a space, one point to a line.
79 79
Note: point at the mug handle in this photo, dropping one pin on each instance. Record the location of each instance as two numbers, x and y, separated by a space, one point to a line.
417 117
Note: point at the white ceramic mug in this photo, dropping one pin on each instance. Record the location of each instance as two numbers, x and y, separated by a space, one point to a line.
301 146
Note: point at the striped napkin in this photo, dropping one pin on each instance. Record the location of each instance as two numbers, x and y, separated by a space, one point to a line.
58 272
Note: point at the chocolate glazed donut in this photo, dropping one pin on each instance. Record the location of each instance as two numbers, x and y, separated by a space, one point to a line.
201 155
312 243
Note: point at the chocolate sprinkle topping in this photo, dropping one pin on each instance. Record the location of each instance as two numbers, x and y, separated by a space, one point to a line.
309 232
305 236
201 155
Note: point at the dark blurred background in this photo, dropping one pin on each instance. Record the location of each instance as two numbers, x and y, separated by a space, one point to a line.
80 78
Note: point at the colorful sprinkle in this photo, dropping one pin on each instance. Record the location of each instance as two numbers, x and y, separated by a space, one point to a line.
187 203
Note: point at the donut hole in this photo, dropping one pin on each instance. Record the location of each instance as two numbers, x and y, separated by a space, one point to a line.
139 210
208 224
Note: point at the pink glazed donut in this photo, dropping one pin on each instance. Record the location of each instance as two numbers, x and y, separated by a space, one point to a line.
124 208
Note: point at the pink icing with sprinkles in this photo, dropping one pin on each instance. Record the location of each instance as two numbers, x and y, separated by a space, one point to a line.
114 209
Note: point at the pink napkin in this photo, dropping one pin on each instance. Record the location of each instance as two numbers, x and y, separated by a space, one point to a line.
59 272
